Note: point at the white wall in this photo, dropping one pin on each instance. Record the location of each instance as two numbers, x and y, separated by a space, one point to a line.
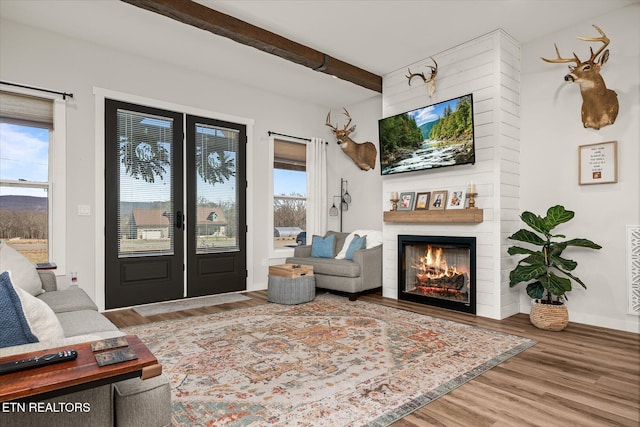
365 187
489 68
44 59
551 133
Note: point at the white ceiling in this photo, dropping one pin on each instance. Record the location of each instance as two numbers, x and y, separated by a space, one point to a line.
377 35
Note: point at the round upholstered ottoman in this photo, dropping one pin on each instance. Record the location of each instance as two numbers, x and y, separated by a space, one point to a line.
296 290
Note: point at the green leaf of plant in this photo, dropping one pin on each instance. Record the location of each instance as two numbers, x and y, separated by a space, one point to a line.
563 263
555 285
524 273
576 279
536 258
556 248
535 221
556 215
585 243
535 290
528 237
517 250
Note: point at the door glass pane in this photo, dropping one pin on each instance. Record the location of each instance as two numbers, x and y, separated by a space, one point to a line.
146 208
216 228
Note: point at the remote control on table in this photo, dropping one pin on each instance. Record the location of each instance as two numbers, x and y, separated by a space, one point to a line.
34 362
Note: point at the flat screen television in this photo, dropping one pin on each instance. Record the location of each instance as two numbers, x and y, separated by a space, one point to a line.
430 137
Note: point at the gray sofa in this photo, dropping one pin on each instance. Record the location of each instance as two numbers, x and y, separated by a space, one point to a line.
131 402
352 277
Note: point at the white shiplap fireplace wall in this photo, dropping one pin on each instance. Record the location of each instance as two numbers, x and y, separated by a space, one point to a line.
489 68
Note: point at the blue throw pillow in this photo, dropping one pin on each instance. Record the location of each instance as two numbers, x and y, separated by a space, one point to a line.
356 244
323 247
15 329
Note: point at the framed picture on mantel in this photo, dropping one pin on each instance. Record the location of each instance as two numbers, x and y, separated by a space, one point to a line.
406 201
438 200
598 163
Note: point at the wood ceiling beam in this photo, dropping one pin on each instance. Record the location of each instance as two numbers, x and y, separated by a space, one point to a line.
218 23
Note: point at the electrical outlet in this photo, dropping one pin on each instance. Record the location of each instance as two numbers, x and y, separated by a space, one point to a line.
84 210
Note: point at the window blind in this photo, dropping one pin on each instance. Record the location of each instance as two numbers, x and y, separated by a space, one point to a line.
23 109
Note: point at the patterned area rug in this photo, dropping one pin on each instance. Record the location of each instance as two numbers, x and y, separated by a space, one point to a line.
330 362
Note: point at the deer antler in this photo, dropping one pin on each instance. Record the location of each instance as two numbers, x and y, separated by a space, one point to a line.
604 39
560 59
346 113
432 76
335 128
328 122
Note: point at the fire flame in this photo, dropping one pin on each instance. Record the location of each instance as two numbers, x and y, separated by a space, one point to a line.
433 265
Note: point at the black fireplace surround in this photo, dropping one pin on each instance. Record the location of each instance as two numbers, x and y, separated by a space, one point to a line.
438 271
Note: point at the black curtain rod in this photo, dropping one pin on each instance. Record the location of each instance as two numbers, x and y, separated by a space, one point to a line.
64 94
291 136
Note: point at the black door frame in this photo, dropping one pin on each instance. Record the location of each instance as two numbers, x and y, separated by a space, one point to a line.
225 271
167 279
139 280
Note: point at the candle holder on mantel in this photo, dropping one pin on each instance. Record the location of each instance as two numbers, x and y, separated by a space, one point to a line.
394 201
472 200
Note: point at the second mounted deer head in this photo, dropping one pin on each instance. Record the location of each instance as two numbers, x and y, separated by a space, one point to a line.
430 82
599 104
363 155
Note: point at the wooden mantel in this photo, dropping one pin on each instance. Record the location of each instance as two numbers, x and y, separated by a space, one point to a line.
461 216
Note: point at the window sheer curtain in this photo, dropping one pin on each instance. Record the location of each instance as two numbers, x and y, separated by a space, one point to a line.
316 188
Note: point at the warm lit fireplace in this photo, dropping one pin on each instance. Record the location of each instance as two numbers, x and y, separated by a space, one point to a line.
438 270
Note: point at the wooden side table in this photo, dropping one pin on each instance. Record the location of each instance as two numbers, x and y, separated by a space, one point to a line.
74 375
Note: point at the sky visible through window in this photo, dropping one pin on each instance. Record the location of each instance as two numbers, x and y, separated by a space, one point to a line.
287 182
24 155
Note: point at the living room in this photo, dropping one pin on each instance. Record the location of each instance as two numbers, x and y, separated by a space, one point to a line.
55 45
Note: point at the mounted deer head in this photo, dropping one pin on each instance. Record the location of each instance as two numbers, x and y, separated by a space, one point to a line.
431 81
599 104
364 155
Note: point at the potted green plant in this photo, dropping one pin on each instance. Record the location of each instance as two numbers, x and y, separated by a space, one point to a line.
547 273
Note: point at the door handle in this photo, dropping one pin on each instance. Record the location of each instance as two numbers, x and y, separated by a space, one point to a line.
179 219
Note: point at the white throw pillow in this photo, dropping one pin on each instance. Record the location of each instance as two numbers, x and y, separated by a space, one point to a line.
374 238
23 273
42 320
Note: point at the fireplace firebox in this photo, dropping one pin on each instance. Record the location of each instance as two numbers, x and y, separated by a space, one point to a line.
438 271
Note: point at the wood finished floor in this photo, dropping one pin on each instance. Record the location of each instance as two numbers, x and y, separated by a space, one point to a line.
583 376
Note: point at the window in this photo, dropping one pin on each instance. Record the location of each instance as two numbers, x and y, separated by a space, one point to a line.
27 203
289 194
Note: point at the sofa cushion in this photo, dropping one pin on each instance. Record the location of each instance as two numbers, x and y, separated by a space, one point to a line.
340 238
357 243
42 320
374 238
71 299
323 247
329 266
15 329
23 273
83 322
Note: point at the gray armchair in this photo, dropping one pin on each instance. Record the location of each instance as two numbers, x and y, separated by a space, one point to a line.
355 276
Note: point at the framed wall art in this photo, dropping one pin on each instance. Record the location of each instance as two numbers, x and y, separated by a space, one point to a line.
438 200
406 201
457 199
422 201
598 163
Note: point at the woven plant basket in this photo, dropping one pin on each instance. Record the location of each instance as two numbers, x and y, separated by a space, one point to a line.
548 316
